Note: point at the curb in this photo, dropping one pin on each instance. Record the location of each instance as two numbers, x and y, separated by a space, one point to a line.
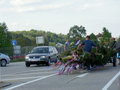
4 84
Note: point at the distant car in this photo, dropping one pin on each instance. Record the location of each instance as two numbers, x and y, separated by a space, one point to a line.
41 55
4 60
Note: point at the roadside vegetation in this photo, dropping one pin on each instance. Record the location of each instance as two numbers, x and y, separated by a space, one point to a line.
28 38
18 60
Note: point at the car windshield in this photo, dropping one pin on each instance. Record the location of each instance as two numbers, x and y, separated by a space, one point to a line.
40 50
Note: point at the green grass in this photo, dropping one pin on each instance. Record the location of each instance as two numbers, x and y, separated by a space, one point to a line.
1 82
18 60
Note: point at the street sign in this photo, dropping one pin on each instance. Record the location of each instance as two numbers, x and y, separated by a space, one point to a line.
14 42
40 40
17 49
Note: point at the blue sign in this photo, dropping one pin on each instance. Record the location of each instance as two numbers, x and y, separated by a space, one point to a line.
14 42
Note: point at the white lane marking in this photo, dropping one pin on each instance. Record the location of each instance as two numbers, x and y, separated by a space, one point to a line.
79 76
25 74
30 82
13 79
44 70
111 81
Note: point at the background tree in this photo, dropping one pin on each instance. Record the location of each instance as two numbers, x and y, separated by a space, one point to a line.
28 38
94 38
106 35
77 31
5 37
5 40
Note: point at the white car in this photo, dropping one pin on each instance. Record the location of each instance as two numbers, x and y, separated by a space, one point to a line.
4 60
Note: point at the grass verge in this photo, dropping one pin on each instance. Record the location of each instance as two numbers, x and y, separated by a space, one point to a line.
18 60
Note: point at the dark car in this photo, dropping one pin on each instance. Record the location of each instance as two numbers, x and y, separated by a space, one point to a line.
41 55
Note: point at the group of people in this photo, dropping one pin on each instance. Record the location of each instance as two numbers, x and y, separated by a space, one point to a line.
88 44
87 47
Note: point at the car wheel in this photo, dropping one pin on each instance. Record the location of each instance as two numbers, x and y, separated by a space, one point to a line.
3 63
27 64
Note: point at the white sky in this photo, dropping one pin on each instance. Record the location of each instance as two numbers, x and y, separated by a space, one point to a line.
59 15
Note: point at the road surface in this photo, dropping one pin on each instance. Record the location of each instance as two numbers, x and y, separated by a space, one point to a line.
45 78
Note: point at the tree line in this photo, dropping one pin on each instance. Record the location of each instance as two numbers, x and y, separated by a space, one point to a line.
28 38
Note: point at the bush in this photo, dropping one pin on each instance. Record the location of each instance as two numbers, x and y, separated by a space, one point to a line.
18 60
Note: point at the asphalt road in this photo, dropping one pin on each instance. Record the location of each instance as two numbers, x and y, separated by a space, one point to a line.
45 78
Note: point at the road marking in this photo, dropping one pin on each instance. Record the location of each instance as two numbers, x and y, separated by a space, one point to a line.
13 79
44 70
26 74
79 76
30 82
111 81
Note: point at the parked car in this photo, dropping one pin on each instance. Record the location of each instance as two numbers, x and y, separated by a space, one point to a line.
4 60
41 55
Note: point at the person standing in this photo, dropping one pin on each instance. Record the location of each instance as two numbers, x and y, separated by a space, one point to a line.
66 45
113 47
112 43
77 42
87 47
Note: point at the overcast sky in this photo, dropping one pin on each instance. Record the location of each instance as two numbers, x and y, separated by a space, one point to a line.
59 15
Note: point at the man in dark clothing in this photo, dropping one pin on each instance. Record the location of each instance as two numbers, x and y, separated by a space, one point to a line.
87 47
113 43
113 47
118 46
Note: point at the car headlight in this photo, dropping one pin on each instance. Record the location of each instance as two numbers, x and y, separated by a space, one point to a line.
43 56
26 57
